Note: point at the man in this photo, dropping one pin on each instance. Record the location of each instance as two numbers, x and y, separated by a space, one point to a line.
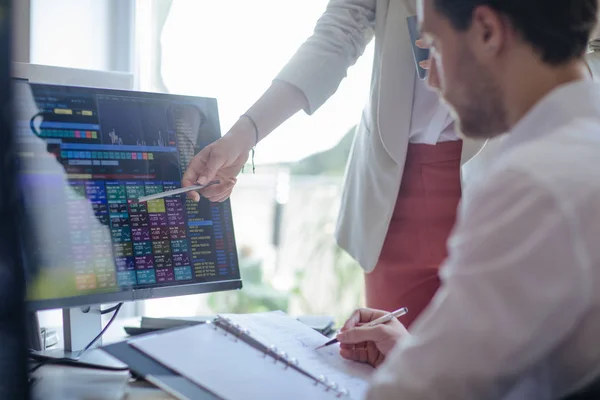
518 312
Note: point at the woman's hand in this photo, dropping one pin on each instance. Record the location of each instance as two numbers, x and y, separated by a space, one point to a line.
222 160
369 344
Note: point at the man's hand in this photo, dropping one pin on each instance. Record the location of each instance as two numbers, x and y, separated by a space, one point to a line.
422 44
369 344
222 160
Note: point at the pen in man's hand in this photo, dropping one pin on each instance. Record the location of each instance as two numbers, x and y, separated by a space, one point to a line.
381 320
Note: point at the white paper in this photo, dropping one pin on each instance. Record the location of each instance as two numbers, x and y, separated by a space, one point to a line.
228 367
300 341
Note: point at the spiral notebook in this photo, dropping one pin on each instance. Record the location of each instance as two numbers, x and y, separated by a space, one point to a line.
266 356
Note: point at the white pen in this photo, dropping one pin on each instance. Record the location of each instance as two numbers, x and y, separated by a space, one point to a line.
175 192
381 320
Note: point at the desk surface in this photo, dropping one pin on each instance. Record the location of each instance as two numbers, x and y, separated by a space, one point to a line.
68 383
54 382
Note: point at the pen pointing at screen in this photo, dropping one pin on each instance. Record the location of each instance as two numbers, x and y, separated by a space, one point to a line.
175 192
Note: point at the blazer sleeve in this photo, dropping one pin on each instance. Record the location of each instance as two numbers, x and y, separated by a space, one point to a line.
339 39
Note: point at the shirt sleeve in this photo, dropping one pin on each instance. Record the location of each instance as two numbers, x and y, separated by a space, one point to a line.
512 288
339 39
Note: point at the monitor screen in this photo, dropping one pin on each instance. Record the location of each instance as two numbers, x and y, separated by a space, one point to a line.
86 156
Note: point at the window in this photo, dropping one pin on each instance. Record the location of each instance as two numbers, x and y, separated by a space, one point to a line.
87 34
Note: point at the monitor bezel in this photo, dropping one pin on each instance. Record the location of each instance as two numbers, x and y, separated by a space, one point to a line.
134 294
130 294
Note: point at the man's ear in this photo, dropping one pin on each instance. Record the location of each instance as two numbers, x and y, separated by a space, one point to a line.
490 29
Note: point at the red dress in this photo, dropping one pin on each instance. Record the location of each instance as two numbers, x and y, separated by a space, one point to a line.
406 274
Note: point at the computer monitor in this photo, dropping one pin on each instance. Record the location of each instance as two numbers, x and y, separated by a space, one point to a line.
86 155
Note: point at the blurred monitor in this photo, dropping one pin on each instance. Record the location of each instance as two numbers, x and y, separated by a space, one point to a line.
13 372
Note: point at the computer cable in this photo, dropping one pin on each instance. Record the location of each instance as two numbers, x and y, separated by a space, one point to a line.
45 360
111 309
116 312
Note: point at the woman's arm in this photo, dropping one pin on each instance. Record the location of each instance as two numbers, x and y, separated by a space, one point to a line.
339 39
306 82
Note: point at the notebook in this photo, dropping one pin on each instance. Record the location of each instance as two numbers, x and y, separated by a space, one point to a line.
264 355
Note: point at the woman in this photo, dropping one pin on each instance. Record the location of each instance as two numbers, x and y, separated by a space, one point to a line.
402 183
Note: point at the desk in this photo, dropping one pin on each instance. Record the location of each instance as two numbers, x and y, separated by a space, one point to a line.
55 382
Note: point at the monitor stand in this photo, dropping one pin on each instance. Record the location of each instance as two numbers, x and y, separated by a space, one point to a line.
80 327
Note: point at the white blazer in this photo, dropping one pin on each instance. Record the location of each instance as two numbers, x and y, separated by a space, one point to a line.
376 163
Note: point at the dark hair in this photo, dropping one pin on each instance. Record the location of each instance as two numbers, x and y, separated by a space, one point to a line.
558 29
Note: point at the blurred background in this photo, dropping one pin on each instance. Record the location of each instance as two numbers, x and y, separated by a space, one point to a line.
285 214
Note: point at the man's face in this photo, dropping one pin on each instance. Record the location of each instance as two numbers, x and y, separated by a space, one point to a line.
466 81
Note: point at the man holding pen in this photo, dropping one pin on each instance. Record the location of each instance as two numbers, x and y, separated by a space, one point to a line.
518 312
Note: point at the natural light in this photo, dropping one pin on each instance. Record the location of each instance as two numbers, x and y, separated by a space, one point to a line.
233 49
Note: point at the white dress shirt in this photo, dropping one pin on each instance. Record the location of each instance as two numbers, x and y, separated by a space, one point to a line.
518 313
430 121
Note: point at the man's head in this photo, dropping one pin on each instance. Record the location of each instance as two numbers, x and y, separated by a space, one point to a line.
484 52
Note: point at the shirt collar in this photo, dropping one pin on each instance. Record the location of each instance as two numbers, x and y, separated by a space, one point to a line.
579 99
